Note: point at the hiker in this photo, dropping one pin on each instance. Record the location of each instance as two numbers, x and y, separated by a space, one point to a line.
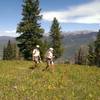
36 55
49 59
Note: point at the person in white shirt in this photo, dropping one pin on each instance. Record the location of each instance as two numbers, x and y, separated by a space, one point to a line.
36 55
49 58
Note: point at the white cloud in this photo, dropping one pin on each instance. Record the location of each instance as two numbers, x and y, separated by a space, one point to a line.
87 13
94 0
8 33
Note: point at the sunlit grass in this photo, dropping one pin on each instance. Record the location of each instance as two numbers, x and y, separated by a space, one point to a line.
68 82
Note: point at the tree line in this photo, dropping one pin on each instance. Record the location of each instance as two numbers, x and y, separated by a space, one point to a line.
92 56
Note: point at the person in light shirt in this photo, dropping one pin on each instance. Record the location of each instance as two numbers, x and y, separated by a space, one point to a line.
49 58
36 55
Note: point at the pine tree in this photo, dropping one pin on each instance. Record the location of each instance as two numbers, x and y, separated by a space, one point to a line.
55 35
9 51
97 49
91 55
29 28
4 53
18 54
14 50
80 57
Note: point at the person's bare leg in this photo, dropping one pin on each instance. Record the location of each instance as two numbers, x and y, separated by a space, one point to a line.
34 64
47 66
52 66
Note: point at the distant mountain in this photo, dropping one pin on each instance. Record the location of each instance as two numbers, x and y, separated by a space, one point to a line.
78 32
71 41
5 39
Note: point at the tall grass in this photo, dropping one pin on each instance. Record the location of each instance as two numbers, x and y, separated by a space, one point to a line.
68 82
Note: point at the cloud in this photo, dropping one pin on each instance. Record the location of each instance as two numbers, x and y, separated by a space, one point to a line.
8 33
94 0
87 13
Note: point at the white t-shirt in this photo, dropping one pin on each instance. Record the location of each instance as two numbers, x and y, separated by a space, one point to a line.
36 52
49 54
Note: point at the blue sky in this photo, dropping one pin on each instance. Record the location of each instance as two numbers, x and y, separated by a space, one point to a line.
73 15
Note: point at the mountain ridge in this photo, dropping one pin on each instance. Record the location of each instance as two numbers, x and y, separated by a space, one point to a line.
71 42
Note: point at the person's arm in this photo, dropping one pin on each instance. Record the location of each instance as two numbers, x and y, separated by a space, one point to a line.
34 51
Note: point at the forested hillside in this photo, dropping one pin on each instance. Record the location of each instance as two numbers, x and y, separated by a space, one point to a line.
71 42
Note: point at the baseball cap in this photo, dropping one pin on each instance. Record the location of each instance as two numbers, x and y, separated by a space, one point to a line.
37 46
51 49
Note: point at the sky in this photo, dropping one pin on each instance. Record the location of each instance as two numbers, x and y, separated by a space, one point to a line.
73 15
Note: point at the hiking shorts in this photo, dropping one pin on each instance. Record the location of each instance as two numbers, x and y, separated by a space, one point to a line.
49 61
36 59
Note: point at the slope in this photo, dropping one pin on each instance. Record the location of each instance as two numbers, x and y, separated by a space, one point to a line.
68 82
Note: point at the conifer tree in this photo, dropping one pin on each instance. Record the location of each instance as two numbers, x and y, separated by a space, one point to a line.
14 50
97 49
9 51
80 57
4 53
29 28
55 34
91 55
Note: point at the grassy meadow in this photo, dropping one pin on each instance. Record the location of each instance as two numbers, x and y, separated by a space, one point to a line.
68 82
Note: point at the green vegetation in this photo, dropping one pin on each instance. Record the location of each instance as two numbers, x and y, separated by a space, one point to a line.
94 52
55 34
91 55
11 52
68 82
97 49
81 56
29 28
